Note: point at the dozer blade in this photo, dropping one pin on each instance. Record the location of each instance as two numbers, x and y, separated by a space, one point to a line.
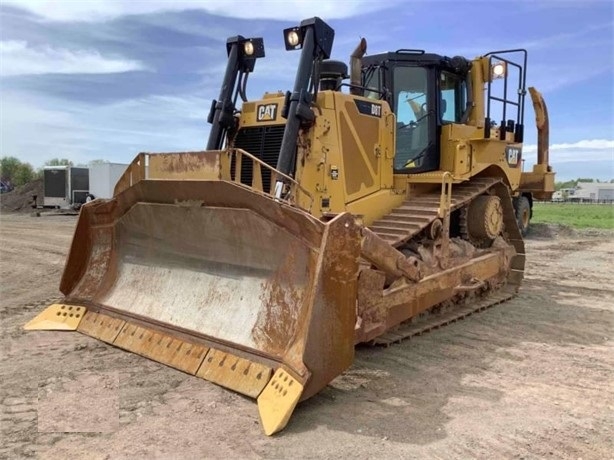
220 282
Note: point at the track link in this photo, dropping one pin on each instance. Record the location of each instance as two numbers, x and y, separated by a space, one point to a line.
434 321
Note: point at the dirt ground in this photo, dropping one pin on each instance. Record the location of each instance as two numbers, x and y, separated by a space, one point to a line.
531 378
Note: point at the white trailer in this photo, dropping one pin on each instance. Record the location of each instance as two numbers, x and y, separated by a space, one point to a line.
64 186
103 177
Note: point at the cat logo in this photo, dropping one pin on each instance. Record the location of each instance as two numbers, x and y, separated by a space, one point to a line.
266 112
513 155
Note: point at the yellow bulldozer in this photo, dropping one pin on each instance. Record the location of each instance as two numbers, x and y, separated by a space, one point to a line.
363 206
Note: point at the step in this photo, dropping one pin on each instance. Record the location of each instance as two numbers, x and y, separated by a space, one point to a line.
426 200
456 198
417 210
470 187
409 218
391 238
389 230
388 222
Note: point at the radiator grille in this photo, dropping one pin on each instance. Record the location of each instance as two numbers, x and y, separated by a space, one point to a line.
264 142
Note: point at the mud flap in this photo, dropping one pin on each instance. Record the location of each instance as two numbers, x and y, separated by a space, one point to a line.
220 282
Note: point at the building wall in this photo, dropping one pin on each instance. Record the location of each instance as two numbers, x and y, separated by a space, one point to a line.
593 191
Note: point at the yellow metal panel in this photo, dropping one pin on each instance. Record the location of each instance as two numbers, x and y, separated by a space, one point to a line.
461 159
57 317
236 373
360 164
489 154
250 112
173 352
376 205
134 173
278 400
433 177
101 326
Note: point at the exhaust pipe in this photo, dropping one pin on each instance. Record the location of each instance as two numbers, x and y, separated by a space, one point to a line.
356 67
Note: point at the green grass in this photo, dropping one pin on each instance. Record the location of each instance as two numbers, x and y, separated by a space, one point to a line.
575 215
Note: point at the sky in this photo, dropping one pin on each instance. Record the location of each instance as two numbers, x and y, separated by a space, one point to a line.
106 79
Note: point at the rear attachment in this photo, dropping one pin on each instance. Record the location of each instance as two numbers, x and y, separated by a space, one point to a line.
220 282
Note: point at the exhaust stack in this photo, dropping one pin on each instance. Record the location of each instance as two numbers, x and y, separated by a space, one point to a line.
356 67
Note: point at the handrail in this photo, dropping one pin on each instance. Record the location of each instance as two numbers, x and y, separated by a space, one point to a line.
139 170
445 204
445 199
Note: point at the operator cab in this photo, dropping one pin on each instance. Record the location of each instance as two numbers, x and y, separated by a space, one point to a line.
425 91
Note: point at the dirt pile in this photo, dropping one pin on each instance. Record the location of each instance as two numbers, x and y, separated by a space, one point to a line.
20 199
550 231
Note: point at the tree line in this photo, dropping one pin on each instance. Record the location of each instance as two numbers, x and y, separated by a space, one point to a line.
16 172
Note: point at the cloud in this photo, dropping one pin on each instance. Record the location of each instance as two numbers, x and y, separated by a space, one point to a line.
588 154
18 58
94 10
586 144
116 132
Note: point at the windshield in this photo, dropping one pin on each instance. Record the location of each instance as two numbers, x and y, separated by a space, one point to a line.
412 116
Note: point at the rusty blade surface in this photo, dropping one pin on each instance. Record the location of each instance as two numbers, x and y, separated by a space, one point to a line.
221 272
213 264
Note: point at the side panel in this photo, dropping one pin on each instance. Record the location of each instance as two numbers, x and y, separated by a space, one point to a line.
347 156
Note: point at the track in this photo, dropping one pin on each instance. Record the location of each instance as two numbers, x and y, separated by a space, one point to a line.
409 220
434 321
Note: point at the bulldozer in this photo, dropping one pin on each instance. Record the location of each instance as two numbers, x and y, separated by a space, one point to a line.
374 201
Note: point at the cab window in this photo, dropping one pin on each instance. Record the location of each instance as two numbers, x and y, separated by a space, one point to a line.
452 97
411 109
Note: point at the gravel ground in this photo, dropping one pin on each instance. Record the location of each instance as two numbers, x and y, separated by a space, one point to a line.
531 378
